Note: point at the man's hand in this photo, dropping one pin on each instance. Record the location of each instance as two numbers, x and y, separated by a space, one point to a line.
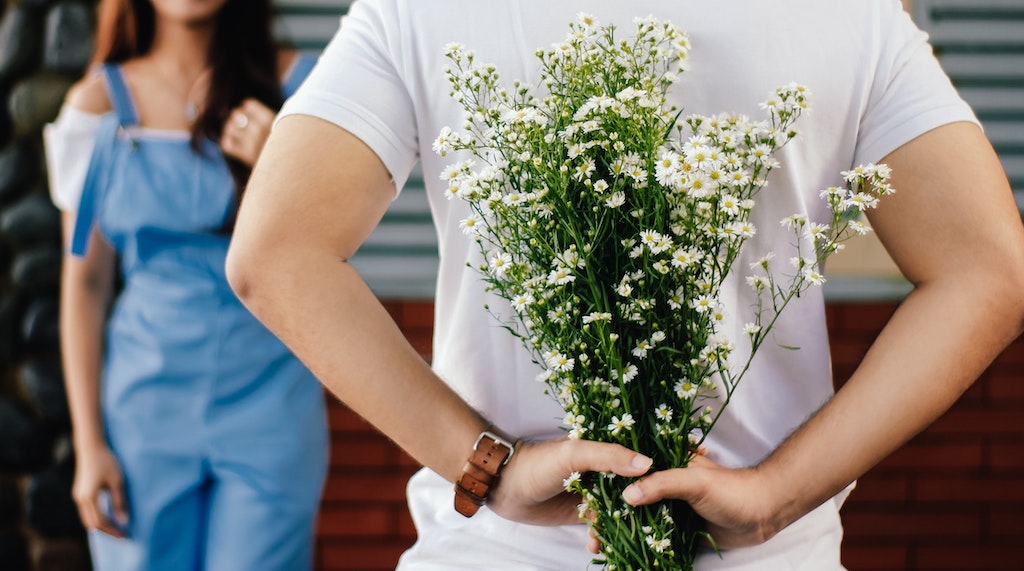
532 490
735 503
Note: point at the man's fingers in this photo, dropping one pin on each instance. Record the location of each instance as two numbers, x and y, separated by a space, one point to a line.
593 544
588 456
679 483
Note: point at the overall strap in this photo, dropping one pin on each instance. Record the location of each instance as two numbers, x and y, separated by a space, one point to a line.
95 179
304 63
120 96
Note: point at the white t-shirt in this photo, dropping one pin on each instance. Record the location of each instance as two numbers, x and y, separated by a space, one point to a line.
875 86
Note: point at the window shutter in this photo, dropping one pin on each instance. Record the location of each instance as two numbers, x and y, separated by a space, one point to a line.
980 44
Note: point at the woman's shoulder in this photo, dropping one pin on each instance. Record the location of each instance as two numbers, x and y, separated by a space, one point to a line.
89 94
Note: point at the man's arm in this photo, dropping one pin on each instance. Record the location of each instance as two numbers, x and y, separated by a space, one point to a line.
315 194
953 229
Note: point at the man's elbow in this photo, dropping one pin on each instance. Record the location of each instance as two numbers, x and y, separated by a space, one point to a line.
1015 289
243 270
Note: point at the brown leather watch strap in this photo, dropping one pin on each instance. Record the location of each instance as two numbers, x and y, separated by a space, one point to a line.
490 454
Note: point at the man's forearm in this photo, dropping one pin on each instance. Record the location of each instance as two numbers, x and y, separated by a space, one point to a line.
334 323
930 352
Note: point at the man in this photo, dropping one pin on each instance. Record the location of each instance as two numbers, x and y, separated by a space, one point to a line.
781 460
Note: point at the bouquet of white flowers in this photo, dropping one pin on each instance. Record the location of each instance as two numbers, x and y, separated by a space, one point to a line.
609 221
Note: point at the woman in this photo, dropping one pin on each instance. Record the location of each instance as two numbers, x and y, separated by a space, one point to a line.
200 440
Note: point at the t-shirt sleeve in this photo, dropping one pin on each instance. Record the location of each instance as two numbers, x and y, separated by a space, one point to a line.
69 143
356 85
910 94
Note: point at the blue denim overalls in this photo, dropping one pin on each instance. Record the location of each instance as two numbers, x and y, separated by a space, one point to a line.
219 429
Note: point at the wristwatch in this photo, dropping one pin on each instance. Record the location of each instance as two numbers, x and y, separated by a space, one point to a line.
490 455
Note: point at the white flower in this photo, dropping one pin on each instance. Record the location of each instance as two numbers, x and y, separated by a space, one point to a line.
596 316
560 276
816 232
545 376
513 198
629 373
663 413
573 478
699 155
584 169
559 362
616 200
699 185
618 425
859 227
695 436
703 303
663 244
443 143
649 238
658 545
641 349
745 229
657 337
729 204
666 169
471 225
763 262
682 258
639 176
812 275
500 263
624 289
685 389
861 200
522 301
452 171
751 329
794 221
801 263
675 301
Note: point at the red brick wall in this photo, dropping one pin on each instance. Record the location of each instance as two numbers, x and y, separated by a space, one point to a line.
952 499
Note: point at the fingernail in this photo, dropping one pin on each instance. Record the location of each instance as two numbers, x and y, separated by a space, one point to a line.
642 462
632 494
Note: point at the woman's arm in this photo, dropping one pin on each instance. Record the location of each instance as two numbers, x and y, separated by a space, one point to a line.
86 285
954 230
315 195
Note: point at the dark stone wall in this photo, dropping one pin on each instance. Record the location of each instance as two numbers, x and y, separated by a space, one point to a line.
44 47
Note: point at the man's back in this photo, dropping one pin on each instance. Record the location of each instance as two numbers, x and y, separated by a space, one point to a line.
875 86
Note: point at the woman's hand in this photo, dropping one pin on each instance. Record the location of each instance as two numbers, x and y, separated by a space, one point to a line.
98 471
532 489
246 131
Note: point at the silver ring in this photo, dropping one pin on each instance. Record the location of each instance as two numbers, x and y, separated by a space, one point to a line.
241 120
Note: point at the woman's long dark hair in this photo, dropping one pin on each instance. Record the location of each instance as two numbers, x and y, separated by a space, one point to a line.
243 60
